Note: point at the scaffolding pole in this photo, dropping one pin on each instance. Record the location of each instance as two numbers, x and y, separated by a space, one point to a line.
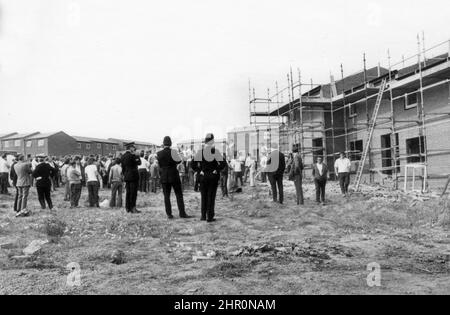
345 111
394 144
421 115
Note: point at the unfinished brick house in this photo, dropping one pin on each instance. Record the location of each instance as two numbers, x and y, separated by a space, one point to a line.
387 117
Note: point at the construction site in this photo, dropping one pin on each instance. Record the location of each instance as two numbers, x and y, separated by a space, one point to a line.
388 119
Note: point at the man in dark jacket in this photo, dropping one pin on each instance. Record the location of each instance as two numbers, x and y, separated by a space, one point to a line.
43 173
276 165
13 177
168 160
208 163
130 163
224 178
320 174
296 175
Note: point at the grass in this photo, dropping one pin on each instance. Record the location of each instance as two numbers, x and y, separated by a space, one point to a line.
327 247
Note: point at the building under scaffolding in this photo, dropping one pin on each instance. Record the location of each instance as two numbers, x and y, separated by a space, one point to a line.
387 119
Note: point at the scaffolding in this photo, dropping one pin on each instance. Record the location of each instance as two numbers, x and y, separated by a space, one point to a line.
329 112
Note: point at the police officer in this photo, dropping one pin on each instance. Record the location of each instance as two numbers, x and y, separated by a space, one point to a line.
208 163
130 163
168 160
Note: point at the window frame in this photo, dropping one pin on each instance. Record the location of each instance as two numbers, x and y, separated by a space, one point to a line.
353 146
412 105
352 113
41 143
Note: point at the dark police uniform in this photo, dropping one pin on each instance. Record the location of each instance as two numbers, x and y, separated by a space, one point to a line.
209 161
130 163
168 160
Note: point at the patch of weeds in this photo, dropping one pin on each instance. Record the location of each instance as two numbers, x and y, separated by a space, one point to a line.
54 228
229 269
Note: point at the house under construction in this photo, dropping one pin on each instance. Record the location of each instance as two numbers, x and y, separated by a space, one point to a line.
393 121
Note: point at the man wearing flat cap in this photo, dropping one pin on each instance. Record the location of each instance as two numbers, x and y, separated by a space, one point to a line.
168 160
130 163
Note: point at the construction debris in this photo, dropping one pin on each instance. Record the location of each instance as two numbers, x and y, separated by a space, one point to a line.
118 257
34 247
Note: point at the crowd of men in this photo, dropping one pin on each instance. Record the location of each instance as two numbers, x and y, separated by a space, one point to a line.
169 169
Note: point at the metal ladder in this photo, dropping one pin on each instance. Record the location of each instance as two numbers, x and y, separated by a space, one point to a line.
372 124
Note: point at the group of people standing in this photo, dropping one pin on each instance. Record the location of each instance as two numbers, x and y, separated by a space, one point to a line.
207 168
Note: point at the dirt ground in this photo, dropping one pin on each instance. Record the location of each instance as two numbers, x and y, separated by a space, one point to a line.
255 247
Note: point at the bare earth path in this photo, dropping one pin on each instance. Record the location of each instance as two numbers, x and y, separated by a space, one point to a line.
255 247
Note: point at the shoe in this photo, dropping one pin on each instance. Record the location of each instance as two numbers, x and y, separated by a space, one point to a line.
170 217
23 213
202 219
185 216
211 220
135 211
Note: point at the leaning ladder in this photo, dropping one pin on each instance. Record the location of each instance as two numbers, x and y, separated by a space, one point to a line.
372 124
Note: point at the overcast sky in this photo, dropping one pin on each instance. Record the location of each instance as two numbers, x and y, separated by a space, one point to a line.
145 69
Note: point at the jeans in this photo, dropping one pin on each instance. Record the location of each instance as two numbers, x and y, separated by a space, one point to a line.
344 182
320 189
75 194
246 173
238 176
116 190
93 188
3 183
224 184
153 184
22 198
143 178
67 191
276 181
298 182
264 177
16 200
44 195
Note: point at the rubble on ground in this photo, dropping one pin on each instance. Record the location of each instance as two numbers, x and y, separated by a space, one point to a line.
34 247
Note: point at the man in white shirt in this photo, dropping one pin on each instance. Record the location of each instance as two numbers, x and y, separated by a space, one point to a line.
263 164
4 175
248 164
342 168
236 164
93 183
143 173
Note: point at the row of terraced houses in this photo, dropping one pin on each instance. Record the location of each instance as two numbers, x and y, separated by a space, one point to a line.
61 144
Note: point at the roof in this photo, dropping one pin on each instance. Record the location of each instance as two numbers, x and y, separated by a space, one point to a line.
135 142
425 64
44 135
88 139
20 136
4 135
355 80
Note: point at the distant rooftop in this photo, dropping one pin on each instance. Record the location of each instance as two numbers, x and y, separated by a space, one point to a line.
136 142
89 139
43 135
20 136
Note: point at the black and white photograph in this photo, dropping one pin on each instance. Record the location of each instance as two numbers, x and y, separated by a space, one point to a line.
224 155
